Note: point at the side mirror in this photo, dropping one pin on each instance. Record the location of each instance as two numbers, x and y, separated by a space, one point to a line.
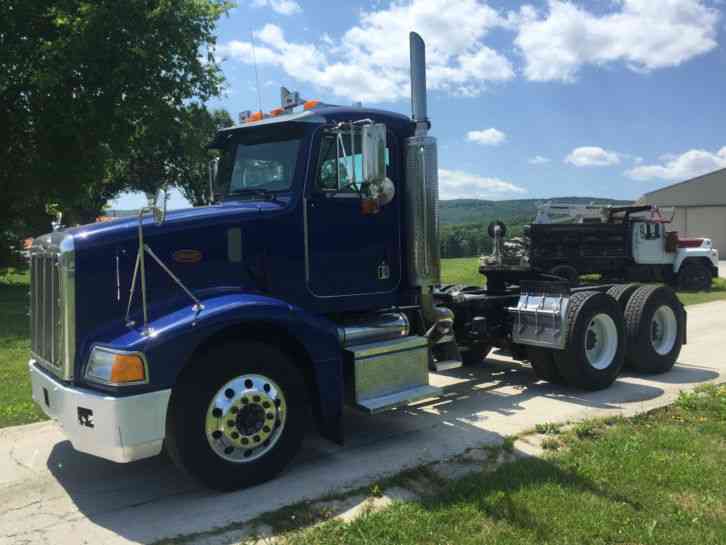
213 167
373 144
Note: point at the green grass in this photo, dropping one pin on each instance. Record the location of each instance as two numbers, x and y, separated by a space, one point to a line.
654 479
16 404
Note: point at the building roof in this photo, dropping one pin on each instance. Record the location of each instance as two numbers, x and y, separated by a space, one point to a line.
705 190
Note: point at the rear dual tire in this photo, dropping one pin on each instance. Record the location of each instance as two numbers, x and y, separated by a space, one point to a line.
595 350
654 327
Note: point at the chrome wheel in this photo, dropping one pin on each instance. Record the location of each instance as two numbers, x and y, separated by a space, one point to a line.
663 330
245 418
601 341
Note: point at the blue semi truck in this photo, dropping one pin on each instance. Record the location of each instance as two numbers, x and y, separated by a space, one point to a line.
311 283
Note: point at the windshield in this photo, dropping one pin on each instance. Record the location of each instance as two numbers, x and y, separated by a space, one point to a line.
257 163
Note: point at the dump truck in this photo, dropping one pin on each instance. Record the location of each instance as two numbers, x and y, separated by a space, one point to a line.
312 283
632 243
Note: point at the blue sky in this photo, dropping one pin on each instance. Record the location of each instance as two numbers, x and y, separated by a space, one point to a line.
532 99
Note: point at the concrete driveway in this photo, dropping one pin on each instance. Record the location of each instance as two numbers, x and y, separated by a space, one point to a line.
51 494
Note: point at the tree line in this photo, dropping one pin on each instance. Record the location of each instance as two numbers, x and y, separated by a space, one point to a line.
98 97
472 239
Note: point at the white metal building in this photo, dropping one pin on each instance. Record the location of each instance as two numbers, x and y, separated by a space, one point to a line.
700 205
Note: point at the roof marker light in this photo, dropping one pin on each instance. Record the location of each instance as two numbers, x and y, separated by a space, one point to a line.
310 104
276 112
255 116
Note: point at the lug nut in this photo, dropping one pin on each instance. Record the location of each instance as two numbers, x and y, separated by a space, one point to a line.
248 383
256 399
245 401
256 438
230 423
266 429
266 404
234 435
216 413
229 392
245 441
217 434
234 410
270 416
266 387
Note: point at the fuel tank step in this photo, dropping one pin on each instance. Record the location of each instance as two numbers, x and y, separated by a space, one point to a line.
447 365
374 405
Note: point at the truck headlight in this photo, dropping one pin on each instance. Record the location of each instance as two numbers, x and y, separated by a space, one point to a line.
116 367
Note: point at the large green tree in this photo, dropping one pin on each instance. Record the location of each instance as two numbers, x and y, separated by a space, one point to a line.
79 79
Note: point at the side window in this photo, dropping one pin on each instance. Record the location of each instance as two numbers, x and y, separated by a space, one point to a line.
338 170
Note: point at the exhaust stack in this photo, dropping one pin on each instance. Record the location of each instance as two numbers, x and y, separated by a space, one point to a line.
419 110
421 189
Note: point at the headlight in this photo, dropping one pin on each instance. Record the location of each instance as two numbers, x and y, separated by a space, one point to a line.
116 367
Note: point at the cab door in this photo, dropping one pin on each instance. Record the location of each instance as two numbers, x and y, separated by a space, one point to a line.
350 252
649 244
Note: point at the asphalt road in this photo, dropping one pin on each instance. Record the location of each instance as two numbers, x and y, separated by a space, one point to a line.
51 494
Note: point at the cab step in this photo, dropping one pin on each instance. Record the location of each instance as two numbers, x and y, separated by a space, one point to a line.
375 405
447 365
386 374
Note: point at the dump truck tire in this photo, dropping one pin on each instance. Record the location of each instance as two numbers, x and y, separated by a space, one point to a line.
237 418
595 350
654 328
475 354
694 276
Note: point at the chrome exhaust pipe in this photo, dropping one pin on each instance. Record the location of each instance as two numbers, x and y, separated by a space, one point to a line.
419 109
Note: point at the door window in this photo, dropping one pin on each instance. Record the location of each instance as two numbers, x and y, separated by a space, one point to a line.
340 170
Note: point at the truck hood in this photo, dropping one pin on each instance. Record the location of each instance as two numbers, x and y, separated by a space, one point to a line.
118 230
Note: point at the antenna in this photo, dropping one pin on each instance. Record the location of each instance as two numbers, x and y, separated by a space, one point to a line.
257 76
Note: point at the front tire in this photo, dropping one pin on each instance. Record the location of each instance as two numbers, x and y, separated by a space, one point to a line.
237 418
594 355
694 276
654 329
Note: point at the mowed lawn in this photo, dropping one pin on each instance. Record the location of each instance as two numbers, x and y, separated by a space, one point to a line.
16 405
654 479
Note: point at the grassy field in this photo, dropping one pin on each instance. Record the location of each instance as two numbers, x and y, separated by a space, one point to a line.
654 479
16 406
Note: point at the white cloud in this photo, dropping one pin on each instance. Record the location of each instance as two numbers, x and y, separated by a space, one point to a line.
283 7
681 167
487 137
456 184
370 61
592 156
538 160
643 34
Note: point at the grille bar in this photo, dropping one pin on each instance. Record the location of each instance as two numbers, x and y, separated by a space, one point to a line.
46 308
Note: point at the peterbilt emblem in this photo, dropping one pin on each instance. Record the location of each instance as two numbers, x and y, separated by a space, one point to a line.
187 256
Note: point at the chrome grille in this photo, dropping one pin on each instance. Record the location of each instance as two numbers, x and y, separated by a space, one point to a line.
51 303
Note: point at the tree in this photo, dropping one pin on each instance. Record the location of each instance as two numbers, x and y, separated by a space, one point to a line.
81 79
199 130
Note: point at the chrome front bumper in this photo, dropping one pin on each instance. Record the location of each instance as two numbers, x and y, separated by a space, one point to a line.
120 429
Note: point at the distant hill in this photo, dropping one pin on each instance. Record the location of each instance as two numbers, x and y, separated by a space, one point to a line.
463 211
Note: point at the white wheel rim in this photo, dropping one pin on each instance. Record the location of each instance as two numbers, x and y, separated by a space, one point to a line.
245 418
663 330
601 341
